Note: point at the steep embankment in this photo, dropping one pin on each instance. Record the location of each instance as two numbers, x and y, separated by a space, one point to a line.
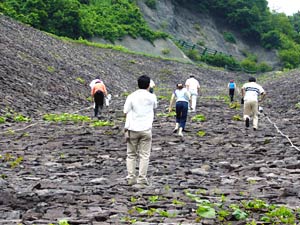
76 171
184 21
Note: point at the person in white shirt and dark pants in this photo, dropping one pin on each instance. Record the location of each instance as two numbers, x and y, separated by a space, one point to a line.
139 109
251 92
193 86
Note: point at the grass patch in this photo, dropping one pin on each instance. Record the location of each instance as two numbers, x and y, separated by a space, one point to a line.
199 118
66 117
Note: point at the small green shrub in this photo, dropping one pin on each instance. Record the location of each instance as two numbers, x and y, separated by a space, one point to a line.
151 4
193 55
2 119
199 118
80 80
229 37
165 51
234 105
237 118
21 118
297 105
201 133
64 117
171 114
102 123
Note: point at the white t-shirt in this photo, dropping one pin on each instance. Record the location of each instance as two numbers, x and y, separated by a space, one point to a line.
93 82
252 91
192 85
139 108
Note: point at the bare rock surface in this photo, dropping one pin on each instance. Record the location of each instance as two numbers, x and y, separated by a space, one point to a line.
77 172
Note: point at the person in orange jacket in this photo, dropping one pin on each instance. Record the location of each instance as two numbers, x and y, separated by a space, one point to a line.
98 93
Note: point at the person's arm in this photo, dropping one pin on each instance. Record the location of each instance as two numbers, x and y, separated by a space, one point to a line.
243 92
171 102
263 96
93 91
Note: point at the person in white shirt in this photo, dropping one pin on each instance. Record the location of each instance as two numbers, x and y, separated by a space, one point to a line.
251 92
93 82
193 86
139 109
182 97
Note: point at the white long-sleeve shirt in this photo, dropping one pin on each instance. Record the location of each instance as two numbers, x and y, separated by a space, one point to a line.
139 109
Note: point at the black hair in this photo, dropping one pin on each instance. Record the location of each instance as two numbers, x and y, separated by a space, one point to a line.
179 86
143 82
252 79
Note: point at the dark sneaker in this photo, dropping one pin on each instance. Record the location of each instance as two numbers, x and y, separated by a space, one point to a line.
254 128
247 122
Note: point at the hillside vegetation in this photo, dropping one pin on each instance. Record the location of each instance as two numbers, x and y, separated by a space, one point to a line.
113 19
58 165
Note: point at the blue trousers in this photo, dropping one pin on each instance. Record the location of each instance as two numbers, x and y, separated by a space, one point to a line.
181 113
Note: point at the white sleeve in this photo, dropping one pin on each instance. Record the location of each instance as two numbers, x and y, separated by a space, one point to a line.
127 105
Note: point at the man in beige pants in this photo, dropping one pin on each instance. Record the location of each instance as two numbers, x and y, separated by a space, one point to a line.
251 92
139 109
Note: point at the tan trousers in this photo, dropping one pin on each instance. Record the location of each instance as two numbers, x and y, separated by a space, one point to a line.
251 108
138 146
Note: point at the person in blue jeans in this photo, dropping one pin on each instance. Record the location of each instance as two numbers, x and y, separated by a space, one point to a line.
231 87
183 98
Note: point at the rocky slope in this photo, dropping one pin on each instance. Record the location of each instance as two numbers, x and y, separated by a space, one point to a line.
77 172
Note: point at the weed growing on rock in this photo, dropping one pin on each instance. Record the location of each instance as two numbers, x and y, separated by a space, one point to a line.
237 118
102 123
199 118
64 117
201 133
80 80
2 119
171 114
297 106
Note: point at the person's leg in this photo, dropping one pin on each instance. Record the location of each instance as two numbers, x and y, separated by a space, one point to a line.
178 112
247 112
144 149
194 102
132 145
255 114
96 107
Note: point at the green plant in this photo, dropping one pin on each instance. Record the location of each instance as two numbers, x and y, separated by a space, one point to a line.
50 69
2 119
199 118
21 118
80 80
151 3
177 202
297 105
165 51
170 114
237 118
63 222
64 117
234 105
102 123
206 211
153 199
16 162
201 133
229 37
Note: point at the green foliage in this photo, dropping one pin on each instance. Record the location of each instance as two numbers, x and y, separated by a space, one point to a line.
165 51
206 211
153 199
63 222
65 117
102 123
193 55
297 105
199 118
220 60
171 114
21 118
263 67
234 105
271 40
248 65
229 37
282 214
110 20
2 119
201 133
80 80
290 58
151 4
237 118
